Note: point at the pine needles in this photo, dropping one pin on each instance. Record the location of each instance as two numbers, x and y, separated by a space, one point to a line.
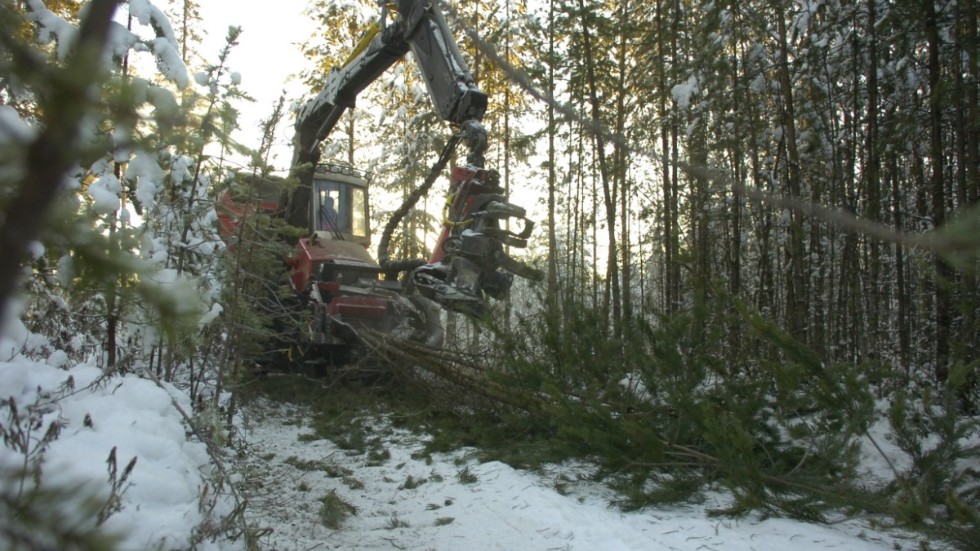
664 420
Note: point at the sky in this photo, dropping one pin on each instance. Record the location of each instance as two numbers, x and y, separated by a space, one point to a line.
268 58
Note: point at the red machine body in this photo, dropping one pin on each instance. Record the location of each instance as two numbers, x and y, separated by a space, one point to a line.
466 185
331 271
253 196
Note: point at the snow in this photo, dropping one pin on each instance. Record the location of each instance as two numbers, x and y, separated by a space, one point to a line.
51 28
35 249
120 40
682 92
144 168
124 416
408 500
876 442
164 103
210 315
12 128
105 194
405 498
164 46
174 289
147 14
169 61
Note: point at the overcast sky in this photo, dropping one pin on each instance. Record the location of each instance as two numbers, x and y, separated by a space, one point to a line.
267 56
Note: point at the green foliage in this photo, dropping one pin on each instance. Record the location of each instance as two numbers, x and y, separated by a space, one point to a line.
938 491
263 318
664 419
466 476
51 518
395 523
39 515
334 510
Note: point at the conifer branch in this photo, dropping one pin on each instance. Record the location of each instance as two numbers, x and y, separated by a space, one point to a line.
71 97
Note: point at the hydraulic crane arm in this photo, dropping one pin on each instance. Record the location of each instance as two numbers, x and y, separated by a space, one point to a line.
421 28
469 261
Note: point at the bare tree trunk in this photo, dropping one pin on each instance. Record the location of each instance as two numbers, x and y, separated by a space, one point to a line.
552 291
872 186
796 302
112 294
608 191
620 160
967 166
901 291
735 213
944 272
671 270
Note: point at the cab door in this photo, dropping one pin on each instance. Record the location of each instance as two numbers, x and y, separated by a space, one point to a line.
340 207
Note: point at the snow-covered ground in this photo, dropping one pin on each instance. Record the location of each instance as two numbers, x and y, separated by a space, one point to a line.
406 499
164 498
403 497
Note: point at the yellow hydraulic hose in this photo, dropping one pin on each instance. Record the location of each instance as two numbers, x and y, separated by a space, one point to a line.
372 32
362 45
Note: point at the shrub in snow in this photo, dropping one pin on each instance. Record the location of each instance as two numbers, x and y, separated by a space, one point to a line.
111 449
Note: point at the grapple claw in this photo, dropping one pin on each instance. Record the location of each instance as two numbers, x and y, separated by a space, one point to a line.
469 262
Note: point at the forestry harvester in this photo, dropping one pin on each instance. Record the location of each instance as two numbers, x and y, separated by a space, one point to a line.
343 289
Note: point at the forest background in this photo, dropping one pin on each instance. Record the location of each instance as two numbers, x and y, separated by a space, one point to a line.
759 225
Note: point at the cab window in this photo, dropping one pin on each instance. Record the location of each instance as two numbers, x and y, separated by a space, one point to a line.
341 208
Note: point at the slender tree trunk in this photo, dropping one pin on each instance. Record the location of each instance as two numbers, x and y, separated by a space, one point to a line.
796 302
573 217
667 25
735 213
620 160
971 43
901 291
966 168
872 177
594 202
552 291
944 272
185 29
506 144
608 193
112 294
669 304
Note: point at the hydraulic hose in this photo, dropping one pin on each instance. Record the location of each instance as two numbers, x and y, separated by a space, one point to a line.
389 266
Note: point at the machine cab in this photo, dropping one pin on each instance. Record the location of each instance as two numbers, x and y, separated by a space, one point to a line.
340 205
